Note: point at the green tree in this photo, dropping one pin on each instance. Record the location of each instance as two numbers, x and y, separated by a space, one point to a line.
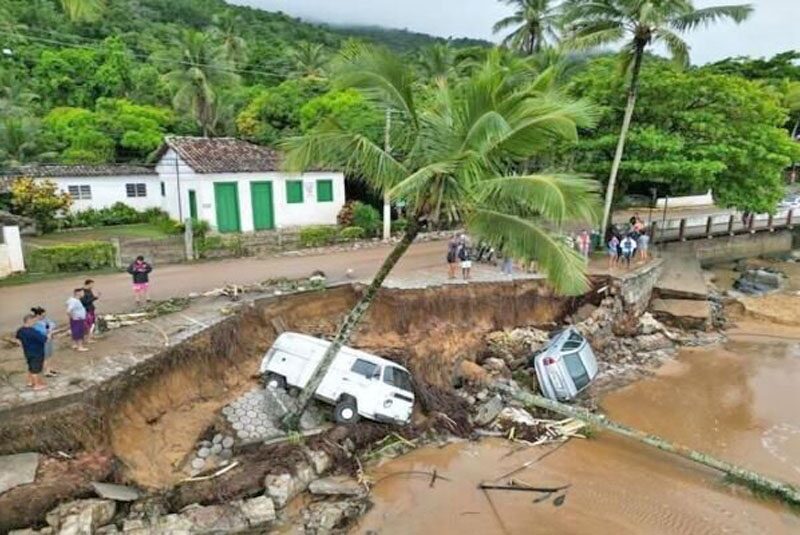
40 200
348 108
199 71
694 131
533 24
438 62
21 141
640 23
308 59
791 101
83 10
228 30
459 163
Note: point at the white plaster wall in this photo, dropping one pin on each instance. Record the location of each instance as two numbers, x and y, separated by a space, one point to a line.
11 257
173 171
107 190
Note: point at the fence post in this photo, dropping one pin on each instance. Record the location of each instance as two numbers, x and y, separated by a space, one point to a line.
682 230
730 224
117 252
188 239
653 231
769 223
710 227
789 219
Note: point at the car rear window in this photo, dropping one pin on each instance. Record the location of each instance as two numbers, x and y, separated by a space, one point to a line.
574 341
576 370
397 377
365 368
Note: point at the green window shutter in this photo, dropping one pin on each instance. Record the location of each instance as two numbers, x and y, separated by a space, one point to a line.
324 190
294 191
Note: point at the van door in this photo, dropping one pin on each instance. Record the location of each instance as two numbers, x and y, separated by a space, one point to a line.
397 395
363 382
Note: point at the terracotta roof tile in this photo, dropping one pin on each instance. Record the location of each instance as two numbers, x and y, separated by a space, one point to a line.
57 171
224 155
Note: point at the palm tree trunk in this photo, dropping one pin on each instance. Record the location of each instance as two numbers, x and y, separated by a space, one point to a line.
795 129
354 317
633 89
784 491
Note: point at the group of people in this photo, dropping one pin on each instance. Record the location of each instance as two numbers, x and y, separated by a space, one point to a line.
37 331
459 252
623 243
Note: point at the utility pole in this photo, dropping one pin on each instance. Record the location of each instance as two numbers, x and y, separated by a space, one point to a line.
387 206
178 186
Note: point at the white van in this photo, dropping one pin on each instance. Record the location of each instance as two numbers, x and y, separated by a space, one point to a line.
357 383
565 366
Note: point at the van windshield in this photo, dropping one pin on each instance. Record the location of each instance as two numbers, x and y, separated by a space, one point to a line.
397 377
576 370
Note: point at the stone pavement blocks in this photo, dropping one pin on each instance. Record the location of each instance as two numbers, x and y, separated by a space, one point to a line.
17 469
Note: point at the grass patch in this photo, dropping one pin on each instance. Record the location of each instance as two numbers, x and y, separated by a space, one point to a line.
30 278
139 230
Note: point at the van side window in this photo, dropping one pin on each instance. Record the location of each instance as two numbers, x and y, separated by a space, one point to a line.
365 368
573 342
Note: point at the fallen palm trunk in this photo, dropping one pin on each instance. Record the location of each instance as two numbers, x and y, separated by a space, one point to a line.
756 481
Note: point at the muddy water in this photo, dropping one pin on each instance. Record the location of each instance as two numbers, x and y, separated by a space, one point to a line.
735 401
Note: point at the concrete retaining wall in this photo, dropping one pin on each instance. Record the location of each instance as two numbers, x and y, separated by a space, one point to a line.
636 287
730 248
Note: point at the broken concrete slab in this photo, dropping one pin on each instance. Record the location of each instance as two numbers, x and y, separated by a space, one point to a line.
81 517
120 493
336 485
682 313
17 469
488 411
283 487
681 278
214 519
258 511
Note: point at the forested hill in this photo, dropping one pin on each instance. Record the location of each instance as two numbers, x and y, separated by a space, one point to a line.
403 40
85 81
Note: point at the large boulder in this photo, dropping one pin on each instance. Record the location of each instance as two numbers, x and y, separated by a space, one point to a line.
488 411
258 512
283 487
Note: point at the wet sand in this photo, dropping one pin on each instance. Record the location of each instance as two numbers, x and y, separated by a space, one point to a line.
737 401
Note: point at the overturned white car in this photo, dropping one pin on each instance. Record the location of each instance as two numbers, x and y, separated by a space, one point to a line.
357 383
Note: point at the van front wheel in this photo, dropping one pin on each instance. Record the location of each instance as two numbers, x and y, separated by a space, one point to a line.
346 411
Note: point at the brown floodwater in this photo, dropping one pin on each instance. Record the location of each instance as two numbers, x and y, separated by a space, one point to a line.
737 401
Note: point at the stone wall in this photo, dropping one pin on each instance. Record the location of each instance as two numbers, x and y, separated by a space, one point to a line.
636 287
730 248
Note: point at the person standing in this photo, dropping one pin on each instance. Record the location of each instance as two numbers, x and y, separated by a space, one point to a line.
140 271
584 244
628 249
47 327
613 251
452 257
88 299
465 256
643 244
32 342
77 319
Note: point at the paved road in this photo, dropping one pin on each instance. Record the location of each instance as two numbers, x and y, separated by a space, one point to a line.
181 279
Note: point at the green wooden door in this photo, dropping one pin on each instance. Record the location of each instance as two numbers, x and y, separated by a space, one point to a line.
226 196
193 204
261 195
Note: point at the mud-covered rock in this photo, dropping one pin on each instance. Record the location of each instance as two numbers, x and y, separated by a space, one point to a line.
470 372
652 342
514 344
497 366
336 485
319 460
283 487
488 411
258 512
324 517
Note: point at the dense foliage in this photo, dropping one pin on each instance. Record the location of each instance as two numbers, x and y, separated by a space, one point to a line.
70 257
40 200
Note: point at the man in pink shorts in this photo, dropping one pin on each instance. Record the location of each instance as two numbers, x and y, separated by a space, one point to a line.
140 271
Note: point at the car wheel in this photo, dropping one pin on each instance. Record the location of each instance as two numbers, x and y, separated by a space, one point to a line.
346 411
275 381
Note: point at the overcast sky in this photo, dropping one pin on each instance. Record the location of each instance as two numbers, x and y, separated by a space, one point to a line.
774 27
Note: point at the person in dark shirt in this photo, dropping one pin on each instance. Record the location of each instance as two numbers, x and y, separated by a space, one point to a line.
140 271
88 299
33 342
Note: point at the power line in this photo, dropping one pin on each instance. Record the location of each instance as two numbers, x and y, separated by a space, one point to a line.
143 57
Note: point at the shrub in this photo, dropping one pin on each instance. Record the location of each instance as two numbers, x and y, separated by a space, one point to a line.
71 257
399 226
366 217
317 235
39 200
345 216
351 233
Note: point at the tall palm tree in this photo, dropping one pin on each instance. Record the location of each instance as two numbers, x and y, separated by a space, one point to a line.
308 59
200 70
460 162
640 23
534 23
228 28
437 61
83 10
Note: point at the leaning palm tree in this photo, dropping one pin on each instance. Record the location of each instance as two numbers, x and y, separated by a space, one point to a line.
640 23
228 28
534 23
83 10
460 162
200 69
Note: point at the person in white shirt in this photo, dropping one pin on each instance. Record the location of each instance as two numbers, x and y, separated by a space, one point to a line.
76 313
628 246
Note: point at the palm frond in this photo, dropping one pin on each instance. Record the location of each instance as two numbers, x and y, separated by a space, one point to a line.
526 239
506 22
593 35
677 47
709 15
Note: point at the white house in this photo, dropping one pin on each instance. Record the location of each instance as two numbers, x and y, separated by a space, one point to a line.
234 185
238 186
100 186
